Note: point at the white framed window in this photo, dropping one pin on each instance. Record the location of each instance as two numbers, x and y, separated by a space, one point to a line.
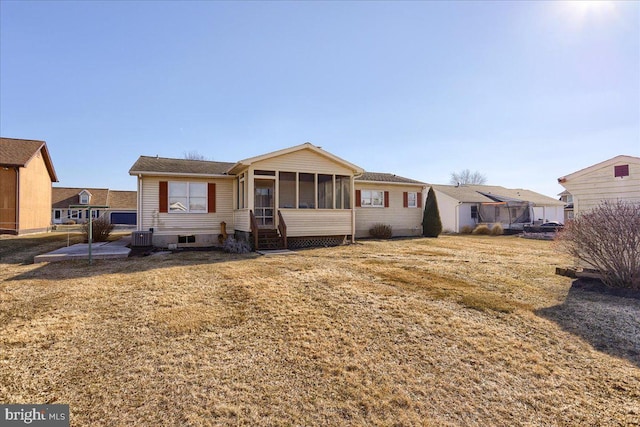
187 197
84 199
412 199
372 199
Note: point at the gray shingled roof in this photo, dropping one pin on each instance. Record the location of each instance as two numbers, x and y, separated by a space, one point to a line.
18 152
147 164
484 193
386 177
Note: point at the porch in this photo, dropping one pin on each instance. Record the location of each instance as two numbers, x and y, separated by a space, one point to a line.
287 228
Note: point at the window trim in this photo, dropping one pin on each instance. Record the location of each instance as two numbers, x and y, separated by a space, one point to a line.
415 199
371 198
188 198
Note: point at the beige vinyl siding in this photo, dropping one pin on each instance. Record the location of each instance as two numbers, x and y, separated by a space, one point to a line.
449 209
403 221
317 222
242 220
185 223
302 161
34 196
590 189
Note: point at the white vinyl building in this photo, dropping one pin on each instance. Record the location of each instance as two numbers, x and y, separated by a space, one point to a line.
470 205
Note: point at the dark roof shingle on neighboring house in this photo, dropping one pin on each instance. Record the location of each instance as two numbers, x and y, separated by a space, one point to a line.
17 152
119 199
387 177
63 197
163 165
468 193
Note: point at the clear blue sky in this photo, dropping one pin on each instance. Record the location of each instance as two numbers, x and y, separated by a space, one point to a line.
523 92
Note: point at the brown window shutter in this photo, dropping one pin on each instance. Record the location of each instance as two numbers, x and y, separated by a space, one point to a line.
164 197
211 197
621 171
358 199
405 199
386 199
419 199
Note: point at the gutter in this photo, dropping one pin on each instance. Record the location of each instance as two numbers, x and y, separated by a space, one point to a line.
392 182
199 175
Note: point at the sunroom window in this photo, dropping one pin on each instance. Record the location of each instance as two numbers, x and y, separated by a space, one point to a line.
343 192
325 191
306 191
287 190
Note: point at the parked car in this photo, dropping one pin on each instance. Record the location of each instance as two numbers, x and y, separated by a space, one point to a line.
546 227
552 224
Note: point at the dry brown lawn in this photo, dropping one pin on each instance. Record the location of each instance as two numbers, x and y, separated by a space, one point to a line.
459 330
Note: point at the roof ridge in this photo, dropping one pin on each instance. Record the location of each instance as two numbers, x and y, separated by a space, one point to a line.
186 160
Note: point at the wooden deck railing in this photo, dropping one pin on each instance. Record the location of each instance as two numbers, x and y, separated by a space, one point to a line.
254 229
282 227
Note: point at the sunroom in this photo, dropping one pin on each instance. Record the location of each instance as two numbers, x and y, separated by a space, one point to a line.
295 197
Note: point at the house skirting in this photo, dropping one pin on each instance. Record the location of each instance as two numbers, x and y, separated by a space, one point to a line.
316 241
186 240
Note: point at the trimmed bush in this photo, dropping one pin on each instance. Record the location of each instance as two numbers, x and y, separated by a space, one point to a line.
234 246
100 229
482 230
497 229
466 229
431 223
381 231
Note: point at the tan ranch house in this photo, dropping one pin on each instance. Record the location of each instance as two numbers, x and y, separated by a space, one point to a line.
296 197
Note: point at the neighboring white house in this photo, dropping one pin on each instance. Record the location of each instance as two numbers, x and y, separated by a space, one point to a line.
567 198
469 205
120 210
614 179
300 195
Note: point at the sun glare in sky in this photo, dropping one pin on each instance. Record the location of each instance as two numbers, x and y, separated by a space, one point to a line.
581 11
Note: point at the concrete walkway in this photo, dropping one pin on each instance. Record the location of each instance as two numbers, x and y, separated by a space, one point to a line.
102 250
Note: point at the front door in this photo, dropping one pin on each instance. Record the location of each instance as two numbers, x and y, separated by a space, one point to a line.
264 202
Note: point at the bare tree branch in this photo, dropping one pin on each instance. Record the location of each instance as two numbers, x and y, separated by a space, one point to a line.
194 155
467 177
607 239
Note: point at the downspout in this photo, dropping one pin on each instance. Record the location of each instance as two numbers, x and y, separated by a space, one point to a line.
17 200
353 207
139 219
458 217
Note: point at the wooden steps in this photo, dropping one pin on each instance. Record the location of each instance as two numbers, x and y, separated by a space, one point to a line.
269 239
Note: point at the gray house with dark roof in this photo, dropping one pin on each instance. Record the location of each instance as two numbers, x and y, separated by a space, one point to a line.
295 197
